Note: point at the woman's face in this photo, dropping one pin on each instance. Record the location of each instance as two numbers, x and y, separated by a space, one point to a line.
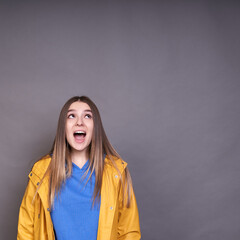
79 126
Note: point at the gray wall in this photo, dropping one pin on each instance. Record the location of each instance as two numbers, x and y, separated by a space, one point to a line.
165 76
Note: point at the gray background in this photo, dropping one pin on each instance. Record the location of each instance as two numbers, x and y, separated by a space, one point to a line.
165 76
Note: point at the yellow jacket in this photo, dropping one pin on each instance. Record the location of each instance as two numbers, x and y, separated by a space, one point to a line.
115 222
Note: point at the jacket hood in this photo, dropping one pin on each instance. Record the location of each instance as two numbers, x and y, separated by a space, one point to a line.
41 166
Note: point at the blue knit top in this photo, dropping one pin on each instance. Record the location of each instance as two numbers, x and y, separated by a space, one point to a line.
72 215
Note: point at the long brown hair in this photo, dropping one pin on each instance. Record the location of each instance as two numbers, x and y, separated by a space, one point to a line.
61 164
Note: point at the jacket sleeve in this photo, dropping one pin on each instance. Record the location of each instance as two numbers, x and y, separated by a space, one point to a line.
26 214
128 218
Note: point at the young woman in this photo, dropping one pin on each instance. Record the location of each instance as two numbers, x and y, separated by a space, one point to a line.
82 189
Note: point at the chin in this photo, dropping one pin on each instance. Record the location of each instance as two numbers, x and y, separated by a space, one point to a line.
80 149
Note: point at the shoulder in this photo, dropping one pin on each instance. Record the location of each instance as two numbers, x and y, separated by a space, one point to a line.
111 162
41 166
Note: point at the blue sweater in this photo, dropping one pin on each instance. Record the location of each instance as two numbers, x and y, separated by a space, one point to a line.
72 215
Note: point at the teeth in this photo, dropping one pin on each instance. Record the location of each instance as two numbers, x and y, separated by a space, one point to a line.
79 132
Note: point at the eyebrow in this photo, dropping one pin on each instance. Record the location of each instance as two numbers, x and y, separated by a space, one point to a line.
74 110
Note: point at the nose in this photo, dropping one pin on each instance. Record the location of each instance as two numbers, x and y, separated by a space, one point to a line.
79 121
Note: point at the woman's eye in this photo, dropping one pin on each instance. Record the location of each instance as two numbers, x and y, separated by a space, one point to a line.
88 116
71 116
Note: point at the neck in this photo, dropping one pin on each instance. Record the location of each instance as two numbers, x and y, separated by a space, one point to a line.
79 157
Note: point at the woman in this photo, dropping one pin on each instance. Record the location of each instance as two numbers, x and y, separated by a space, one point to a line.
82 189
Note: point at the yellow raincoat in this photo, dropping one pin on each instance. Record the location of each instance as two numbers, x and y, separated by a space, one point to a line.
115 222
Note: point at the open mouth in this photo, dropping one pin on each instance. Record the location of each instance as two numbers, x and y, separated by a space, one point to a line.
79 135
